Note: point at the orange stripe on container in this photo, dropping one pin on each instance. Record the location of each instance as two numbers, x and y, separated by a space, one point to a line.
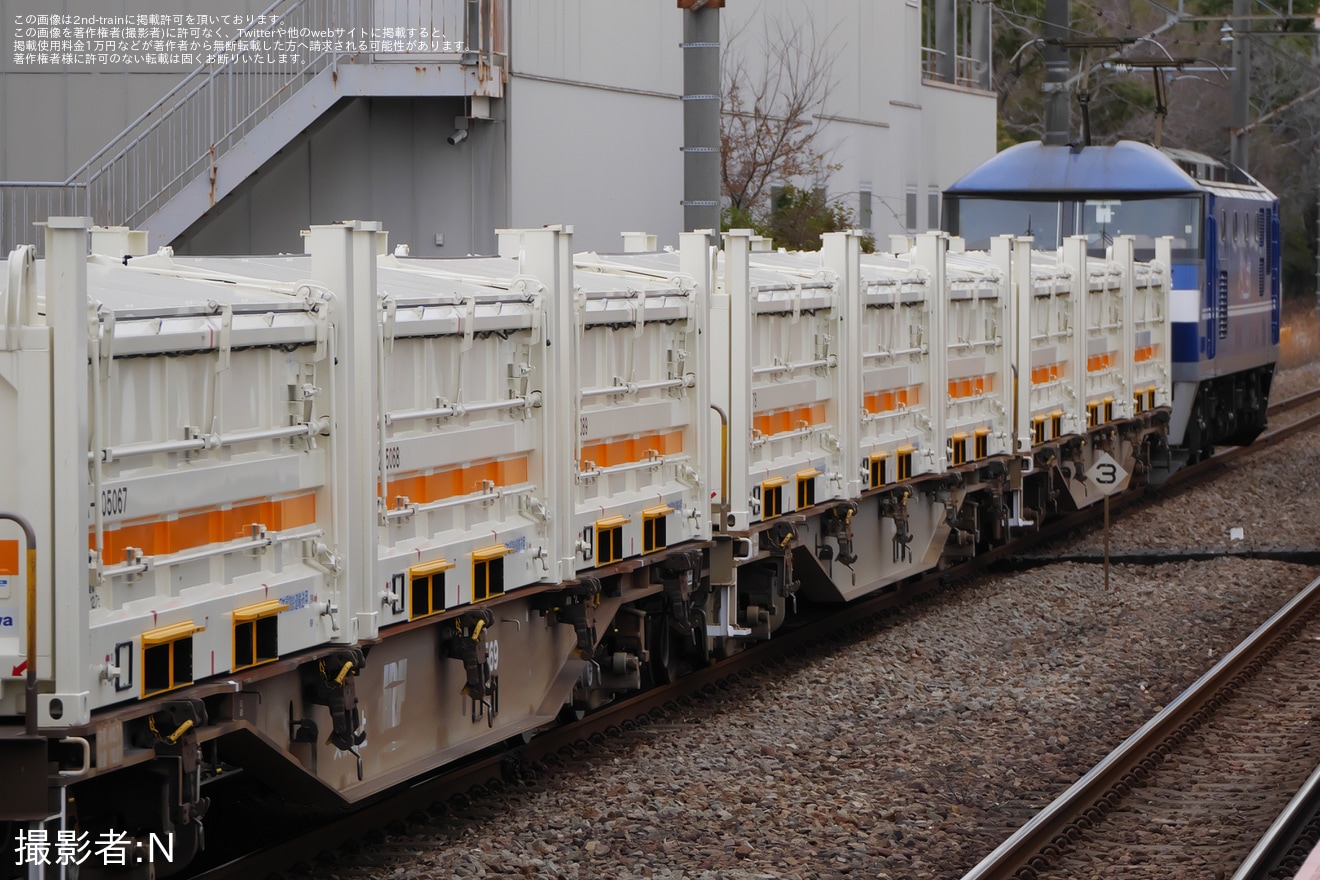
296 512
476 476
593 453
617 452
777 421
626 450
975 385
8 557
1098 362
511 471
441 484
1044 374
886 401
191 529
194 530
411 488
459 480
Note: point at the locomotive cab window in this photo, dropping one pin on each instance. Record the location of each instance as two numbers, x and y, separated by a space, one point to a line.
1103 220
978 220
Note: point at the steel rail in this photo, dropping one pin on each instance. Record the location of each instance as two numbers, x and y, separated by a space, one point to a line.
1295 401
1284 833
1054 829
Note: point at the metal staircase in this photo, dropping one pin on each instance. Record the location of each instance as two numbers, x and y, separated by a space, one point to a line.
229 116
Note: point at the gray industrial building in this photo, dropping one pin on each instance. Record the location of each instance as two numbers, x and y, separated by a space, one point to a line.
446 119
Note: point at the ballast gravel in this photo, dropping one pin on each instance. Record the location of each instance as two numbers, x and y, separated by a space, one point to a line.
916 744
1265 503
1291 382
910 751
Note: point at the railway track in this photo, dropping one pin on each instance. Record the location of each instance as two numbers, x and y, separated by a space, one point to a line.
510 765
1288 843
1297 400
1198 777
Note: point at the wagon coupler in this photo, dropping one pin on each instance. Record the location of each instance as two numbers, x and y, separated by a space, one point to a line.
463 643
329 682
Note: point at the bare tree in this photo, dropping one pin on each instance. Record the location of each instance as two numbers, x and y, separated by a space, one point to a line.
768 124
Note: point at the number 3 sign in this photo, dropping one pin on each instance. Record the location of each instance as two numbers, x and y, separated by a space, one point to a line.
1106 474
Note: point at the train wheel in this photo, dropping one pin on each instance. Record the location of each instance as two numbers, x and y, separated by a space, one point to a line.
701 643
660 639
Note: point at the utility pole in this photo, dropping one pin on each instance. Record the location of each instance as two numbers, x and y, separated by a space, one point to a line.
701 114
1058 105
1241 110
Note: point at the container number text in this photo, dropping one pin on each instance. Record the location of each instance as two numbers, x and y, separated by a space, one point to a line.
114 502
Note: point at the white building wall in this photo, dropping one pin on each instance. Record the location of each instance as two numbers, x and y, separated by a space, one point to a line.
67 114
881 122
958 133
596 118
594 127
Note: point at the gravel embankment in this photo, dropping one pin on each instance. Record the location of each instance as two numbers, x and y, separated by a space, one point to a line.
909 752
1270 497
1289 383
914 748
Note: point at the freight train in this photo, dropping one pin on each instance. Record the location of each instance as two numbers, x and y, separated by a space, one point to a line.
341 518
1225 302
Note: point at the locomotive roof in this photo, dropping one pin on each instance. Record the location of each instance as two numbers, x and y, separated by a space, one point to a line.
1125 167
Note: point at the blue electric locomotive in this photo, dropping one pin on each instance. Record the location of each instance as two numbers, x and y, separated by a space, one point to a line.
1225 302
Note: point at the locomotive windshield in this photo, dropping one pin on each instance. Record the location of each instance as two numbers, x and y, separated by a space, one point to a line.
1145 219
977 220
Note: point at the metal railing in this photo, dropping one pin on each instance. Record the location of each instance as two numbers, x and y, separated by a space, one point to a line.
180 137
968 71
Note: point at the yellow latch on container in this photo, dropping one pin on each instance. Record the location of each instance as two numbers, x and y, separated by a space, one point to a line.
259 610
435 566
495 551
163 635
